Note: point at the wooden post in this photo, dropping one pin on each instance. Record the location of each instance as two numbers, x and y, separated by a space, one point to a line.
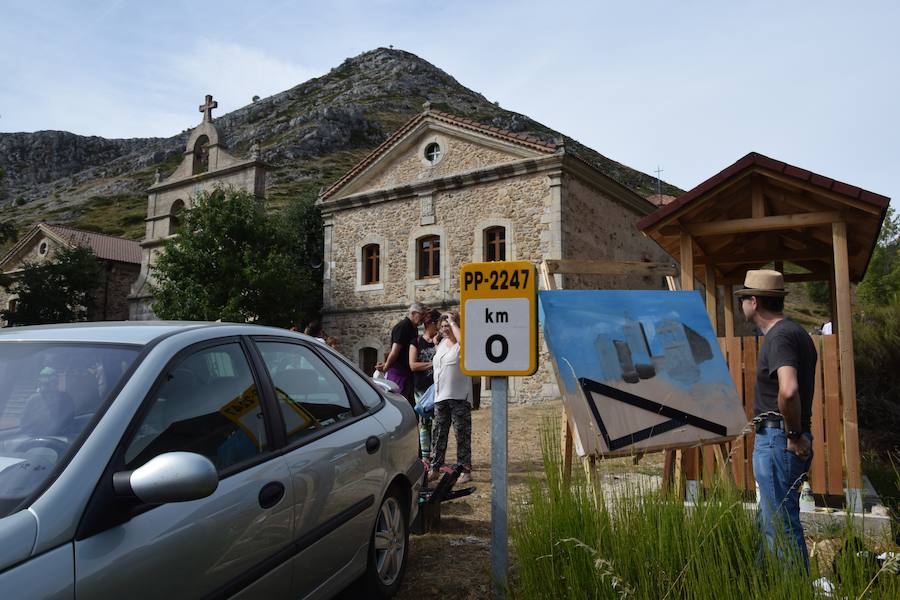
709 460
690 456
549 283
729 311
757 201
848 375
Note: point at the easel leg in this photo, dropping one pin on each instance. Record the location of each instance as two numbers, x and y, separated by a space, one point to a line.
668 469
724 462
567 450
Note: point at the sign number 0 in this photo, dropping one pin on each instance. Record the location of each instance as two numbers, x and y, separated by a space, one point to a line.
489 348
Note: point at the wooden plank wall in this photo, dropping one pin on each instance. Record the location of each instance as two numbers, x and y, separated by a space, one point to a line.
827 472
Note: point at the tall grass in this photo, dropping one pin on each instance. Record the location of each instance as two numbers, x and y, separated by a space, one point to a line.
571 543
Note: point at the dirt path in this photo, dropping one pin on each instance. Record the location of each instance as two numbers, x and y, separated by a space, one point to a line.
455 561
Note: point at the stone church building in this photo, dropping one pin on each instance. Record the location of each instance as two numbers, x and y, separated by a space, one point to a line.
120 258
206 165
443 191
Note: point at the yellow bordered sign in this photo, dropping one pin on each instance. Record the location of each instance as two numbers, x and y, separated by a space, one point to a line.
499 318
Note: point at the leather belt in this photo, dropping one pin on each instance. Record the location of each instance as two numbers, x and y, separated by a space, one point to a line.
769 424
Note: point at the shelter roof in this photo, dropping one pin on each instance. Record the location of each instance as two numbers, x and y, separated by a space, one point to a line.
760 210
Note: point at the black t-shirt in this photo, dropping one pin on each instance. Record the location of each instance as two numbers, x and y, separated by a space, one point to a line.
425 349
403 333
785 345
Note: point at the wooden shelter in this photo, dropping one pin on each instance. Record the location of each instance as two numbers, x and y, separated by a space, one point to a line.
760 211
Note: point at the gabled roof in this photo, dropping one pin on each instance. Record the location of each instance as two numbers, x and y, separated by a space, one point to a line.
441 117
760 210
105 247
754 159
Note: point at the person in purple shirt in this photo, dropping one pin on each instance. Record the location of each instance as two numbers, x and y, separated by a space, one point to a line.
396 366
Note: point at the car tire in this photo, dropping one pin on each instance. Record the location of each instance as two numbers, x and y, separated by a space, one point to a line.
388 547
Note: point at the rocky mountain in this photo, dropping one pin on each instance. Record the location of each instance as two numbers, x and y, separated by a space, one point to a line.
309 135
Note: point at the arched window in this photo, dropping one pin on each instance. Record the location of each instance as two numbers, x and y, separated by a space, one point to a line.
175 216
368 358
201 155
371 259
494 244
428 257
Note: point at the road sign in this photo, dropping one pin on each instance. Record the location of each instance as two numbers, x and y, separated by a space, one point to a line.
499 318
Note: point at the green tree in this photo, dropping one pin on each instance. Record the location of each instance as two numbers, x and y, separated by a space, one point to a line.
8 233
59 290
881 284
233 261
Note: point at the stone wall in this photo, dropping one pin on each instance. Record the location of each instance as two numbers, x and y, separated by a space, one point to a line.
111 298
458 156
597 227
460 216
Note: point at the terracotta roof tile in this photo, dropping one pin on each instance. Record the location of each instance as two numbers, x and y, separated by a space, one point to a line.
104 246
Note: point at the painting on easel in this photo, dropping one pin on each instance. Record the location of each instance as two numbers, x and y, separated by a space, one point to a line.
641 370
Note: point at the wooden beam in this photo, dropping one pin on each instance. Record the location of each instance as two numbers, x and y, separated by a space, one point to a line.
609 267
678 214
735 258
736 277
845 353
687 262
757 200
795 221
816 190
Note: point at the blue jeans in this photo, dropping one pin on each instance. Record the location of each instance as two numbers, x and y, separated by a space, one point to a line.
779 474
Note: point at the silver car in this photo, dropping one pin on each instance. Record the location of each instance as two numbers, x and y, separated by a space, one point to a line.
196 460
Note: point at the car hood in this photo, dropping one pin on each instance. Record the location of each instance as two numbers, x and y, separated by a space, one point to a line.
18 532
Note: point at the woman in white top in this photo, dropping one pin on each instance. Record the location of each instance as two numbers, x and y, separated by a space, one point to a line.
452 390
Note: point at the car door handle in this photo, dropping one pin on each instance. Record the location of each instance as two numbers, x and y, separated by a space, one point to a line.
372 444
270 494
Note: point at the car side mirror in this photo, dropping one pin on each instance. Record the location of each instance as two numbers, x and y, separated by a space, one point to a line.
387 385
169 477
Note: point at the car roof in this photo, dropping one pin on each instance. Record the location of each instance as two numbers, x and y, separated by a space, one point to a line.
125 332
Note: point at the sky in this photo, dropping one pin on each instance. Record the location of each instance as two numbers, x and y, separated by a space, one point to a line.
688 87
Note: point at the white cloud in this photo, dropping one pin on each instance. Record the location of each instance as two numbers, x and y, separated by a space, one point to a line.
232 73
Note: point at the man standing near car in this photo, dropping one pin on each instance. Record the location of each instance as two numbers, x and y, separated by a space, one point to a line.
396 366
782 409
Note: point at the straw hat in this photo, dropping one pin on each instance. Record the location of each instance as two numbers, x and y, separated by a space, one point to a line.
763 282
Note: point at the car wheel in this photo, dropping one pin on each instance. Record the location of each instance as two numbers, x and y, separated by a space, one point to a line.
388 548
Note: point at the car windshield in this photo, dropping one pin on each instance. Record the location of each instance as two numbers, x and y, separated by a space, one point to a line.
49 393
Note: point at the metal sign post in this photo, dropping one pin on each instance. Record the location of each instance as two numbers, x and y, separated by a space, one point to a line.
499 489
499 338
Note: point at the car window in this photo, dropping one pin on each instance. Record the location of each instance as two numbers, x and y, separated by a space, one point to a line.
364 390
209 404
50 393
310 394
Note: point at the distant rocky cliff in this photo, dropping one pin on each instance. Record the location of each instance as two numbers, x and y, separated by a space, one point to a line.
309 134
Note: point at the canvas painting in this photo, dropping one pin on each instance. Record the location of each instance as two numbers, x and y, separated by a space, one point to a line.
641 370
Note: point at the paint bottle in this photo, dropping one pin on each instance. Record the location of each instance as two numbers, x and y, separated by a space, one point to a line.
425 438
807 502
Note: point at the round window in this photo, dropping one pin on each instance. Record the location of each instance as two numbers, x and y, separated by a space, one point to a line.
42 248
433 152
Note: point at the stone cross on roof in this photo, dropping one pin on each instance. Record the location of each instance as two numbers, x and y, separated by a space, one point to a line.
207 107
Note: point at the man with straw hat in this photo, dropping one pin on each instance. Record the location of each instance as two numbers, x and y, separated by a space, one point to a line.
782 409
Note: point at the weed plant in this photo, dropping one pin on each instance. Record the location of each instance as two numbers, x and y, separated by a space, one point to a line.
572 542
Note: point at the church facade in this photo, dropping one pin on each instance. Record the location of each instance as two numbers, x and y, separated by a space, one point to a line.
444 191
206 165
